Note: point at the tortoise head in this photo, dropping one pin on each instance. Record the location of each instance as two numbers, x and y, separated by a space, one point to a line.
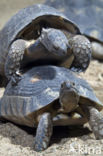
69 96
54 41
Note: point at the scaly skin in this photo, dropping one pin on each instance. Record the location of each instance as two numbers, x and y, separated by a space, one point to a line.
14 59
78 44
95 119
55 42
20 47
81 48
44 132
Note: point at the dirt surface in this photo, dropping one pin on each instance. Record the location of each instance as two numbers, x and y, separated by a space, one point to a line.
18 141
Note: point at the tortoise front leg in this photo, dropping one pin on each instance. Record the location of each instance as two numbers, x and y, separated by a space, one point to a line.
44 132
95 119
14 58
81 48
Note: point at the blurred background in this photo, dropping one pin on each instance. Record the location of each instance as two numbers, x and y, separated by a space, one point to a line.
10 7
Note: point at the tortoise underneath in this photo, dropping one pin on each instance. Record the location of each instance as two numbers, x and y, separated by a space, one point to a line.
47 96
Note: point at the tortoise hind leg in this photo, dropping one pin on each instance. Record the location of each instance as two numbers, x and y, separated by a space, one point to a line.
14 59
95 119
44 132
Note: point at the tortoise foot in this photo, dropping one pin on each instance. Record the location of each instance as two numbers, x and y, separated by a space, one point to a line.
76 69
44 132
14 59
81 48
96 123
98 131
95 119
15 79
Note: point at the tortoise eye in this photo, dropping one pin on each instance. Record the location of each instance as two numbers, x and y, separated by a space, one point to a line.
56 48
73 83
62 85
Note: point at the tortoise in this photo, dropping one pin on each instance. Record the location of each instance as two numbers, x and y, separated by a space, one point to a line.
24 31
89 16
44 96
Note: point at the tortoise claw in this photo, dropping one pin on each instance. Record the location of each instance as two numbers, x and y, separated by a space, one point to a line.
15 79
78 70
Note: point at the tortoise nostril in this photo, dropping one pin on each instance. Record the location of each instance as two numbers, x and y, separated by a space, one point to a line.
62 85
64 52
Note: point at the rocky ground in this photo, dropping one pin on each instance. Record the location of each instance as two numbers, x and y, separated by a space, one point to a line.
18 141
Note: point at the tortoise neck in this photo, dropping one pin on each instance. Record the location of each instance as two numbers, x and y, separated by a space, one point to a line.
37 46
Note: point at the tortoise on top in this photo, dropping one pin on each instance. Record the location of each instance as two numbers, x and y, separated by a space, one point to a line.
89 16
45 96
21 31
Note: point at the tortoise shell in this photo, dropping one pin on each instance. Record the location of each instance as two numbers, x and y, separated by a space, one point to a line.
38 92
28 23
